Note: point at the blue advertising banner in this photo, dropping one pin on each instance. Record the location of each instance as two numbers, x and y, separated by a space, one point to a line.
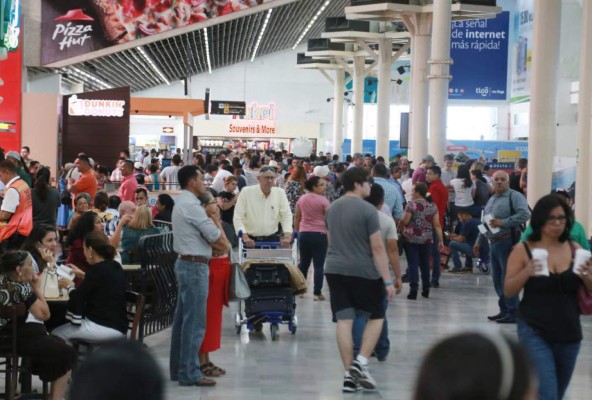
479 49
501 151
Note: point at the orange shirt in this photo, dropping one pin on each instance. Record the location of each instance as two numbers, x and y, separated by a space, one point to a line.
87 183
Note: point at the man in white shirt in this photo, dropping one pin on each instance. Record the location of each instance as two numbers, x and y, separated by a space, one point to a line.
219 174
261 208
169 174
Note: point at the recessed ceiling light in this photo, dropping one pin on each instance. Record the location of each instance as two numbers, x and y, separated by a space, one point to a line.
152 65
311 23
205 33
261 33
82 74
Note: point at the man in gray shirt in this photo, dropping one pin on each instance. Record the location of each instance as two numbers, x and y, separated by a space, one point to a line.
509 210
194 237
357 272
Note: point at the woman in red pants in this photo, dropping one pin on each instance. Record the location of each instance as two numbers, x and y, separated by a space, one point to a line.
217 299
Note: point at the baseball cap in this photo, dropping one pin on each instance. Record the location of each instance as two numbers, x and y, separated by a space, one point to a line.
138 165
429 158
273 163
14 154
321 171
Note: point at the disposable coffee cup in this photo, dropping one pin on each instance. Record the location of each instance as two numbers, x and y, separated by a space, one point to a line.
541 255
582 256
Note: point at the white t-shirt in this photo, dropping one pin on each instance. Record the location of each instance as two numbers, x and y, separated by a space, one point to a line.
169 174
407 186
463 195
11 198
218 182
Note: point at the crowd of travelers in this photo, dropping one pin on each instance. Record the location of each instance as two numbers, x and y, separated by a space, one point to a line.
93 217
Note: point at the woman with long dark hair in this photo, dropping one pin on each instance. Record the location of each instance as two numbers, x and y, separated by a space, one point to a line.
549 314
464 191
164 206
46 200
99 301
42 244
419 221
87 223
309 222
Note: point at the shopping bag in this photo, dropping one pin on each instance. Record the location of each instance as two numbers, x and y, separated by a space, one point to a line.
238 289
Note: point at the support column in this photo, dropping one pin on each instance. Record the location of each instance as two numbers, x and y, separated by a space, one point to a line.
440 78
384 99
420 52
584 149
543 104
358 99
338 89
188 141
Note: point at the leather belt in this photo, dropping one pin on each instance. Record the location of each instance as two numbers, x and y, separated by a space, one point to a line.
196 259
507 235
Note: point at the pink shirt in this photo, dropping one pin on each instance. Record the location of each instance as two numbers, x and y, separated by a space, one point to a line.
313 208
127 190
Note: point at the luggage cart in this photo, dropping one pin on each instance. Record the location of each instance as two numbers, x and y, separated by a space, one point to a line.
271 304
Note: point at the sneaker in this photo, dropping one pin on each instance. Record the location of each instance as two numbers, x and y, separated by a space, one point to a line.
319 297
466 270
454 271
350 384
362 374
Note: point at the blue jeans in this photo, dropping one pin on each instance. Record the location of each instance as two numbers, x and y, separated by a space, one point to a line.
456 248
500 251
554 362
383 345
418 258
313 247
189 322
436 272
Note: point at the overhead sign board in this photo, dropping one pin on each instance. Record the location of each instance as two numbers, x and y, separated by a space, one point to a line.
71 28
228 107
479 49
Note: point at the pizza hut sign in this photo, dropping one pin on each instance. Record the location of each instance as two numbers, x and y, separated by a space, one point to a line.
72 29
95 108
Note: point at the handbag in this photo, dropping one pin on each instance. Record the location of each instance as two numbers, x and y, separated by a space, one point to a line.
49 283
66 198
238 288
585 300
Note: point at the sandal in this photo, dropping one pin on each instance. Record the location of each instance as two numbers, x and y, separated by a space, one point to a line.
208 370
216 368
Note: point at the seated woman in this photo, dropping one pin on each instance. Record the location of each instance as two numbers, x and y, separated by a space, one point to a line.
42 244
139 226
89 222
52 359
164 207
82 204
97 307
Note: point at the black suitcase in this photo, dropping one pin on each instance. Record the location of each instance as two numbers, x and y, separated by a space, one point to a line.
270 300
268 275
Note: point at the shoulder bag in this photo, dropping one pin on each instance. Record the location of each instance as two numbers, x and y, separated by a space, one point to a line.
585 300
238 288
49 283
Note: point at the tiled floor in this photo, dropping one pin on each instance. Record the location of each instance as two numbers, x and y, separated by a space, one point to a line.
307 365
